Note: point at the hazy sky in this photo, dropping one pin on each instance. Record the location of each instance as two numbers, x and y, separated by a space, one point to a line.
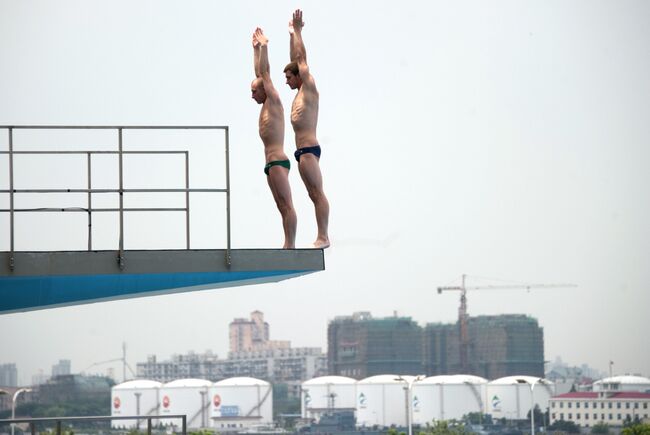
504 139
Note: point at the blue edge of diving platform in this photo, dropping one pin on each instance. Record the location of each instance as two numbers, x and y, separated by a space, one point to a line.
41 280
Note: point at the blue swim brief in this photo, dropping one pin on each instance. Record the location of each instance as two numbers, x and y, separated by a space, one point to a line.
315 150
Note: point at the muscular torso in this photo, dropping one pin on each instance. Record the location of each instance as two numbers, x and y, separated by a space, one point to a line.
272 130
304 116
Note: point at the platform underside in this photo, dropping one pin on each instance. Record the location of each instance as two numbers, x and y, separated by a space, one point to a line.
42 280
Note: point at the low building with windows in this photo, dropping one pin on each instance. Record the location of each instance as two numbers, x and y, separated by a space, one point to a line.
587 408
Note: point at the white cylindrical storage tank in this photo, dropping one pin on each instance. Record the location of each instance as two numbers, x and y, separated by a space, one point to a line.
510 397
447 397
189 397
623 383
138 397
241 402
328 393
382 400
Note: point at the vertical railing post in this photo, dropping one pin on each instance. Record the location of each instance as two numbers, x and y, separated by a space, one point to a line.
90 204
32 427
58 427
11 198
184 419
228 259
149 426
187 200
120 258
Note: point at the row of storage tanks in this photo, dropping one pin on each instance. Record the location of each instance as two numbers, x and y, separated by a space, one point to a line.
231 403
382 400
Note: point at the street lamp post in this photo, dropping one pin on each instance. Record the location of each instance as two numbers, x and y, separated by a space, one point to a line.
13 405
532 400
137 408
409 401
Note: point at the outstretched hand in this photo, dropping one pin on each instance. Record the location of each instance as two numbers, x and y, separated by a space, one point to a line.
256 43
296 23
260 37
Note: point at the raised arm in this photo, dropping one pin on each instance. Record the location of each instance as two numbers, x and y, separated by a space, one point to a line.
297 51
256 55
263 64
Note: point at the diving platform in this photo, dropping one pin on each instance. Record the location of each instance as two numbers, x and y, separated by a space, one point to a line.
108 171
41 280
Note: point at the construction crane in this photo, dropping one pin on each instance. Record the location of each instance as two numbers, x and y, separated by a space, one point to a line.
125 365
463 317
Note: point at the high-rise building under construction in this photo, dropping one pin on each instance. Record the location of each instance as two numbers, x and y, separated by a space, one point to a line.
504 345
360 346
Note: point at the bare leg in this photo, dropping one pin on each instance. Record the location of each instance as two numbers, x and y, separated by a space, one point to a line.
311 176
278 180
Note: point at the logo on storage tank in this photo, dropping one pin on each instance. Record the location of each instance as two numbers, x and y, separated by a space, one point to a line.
416 404
362 400
116 402
165 402
496 403
216 400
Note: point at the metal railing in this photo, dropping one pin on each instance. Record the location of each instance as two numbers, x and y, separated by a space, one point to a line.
58 420
89 209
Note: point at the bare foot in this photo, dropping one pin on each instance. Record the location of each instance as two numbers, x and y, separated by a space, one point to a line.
321 244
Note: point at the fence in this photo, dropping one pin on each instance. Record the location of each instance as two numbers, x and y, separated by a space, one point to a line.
120 190
58 420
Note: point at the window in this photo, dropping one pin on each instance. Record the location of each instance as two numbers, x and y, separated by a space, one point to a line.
561 404
552 404
636 405
569 406
577 404
586 416
645 405
596 417
609 405
553 416
618 405
602 405
578 416
570 416
618 416
627 405
562 416
610 417
593 405
602 417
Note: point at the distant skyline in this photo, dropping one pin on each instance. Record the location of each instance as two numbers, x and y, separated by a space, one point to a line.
505 139
116 368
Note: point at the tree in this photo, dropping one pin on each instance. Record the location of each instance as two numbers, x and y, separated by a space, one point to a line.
565 426
477 418
600 428
629 422
541 418
637 429
443 427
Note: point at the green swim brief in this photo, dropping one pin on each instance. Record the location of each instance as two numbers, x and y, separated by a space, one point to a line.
284 163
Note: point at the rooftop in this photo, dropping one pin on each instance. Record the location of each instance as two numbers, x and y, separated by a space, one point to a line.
595 395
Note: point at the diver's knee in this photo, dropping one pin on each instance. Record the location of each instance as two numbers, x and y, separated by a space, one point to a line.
284 205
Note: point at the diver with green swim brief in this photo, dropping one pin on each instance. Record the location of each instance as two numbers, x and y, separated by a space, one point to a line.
271 129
